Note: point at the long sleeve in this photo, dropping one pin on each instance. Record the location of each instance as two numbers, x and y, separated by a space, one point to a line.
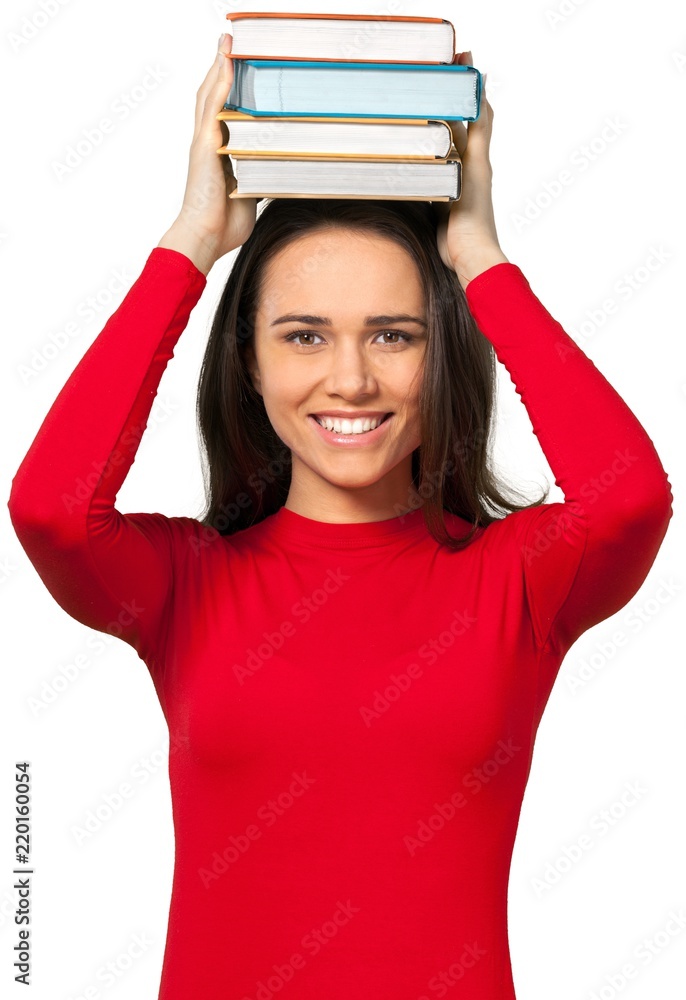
585 558
110 571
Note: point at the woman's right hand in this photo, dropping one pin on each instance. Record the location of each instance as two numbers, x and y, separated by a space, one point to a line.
210 224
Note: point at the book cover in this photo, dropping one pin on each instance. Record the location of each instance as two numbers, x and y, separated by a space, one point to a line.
232 102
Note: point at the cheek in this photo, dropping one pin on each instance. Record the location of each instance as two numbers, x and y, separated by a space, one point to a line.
284 396
408 388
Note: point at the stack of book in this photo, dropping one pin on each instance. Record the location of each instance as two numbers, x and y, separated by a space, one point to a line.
346 106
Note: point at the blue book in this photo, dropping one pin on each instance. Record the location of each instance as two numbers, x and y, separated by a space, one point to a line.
355 89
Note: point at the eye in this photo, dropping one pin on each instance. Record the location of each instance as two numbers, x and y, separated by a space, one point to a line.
405 337
292 337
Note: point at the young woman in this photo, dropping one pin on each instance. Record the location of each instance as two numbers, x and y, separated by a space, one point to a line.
355 643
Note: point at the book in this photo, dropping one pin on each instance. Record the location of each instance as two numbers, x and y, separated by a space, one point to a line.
307 123
277 87
386 138
362 37
347 177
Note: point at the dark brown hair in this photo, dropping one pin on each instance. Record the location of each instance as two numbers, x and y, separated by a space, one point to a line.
246 466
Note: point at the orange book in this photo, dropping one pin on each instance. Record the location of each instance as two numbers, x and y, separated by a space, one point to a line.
342 37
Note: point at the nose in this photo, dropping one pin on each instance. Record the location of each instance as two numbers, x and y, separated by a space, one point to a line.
351 374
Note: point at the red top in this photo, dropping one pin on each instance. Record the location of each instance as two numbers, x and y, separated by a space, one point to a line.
352 708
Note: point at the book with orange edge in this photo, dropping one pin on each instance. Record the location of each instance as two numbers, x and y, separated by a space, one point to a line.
386 123
347 177
437 26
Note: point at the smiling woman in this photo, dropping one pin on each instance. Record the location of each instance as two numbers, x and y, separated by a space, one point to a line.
351 364
344 309
353 647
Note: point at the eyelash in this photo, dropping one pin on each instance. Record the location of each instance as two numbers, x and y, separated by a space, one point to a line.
407 337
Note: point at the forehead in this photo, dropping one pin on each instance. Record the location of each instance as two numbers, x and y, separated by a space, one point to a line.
341 272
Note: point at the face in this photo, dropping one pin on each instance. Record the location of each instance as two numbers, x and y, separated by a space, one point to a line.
341 326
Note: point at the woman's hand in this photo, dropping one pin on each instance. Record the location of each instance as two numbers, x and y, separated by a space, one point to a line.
466 233
210 223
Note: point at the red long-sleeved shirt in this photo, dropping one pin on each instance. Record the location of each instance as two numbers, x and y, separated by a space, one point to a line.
351 707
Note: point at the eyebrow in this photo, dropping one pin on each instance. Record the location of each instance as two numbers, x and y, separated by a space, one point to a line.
381 320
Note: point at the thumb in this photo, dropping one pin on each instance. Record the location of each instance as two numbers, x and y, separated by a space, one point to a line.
466 59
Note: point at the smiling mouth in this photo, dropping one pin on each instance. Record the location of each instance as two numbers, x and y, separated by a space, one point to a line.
351 437
318 417
351 419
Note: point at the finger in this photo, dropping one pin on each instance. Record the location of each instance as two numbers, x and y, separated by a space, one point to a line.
229 176
214 92
206 84
482 126
479 132
458 128
459 132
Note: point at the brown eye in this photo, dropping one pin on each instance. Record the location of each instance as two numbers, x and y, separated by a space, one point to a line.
398 333
291 338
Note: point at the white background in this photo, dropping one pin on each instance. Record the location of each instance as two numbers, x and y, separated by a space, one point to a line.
558 70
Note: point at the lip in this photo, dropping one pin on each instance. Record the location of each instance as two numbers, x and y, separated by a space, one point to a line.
351 414
350 440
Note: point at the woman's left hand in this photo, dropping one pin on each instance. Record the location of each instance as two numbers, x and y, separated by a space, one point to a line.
466 233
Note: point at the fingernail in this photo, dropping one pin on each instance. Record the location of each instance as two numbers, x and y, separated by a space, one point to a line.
221 40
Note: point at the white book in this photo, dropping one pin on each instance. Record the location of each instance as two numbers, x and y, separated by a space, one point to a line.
270 177
320 135
377 38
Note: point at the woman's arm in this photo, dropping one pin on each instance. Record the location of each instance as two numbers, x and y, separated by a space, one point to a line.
585 558
109 570
113 571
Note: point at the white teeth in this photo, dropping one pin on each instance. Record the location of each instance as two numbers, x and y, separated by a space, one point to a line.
341 426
